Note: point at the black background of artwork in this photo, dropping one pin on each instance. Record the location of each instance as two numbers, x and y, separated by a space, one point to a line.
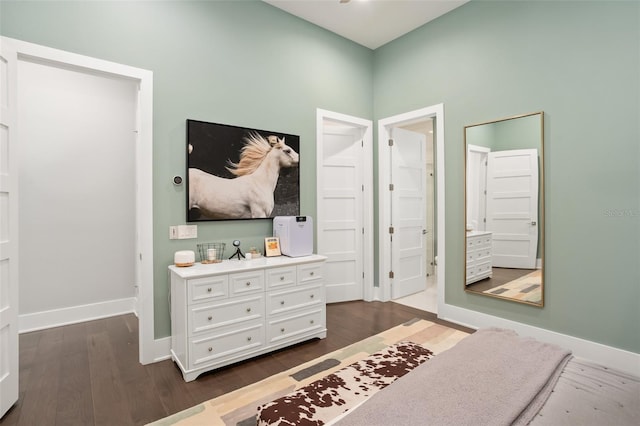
214 145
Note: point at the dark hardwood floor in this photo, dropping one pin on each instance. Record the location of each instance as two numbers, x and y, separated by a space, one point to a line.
500 276
89 374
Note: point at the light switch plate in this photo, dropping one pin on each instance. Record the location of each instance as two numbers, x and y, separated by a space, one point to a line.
173 232
187 232
183 232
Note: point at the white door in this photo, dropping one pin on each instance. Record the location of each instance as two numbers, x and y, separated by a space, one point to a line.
408 212
8 231
340 211
512 207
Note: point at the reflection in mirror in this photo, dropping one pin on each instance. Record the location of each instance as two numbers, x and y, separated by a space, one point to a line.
504 214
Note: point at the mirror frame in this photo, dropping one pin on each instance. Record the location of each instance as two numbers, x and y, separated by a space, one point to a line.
541 211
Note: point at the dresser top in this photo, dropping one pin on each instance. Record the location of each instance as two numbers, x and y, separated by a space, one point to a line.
234 265
478 233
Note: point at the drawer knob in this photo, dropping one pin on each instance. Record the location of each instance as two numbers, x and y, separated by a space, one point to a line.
282 302
311 321
210 318
209 290
311 296
311 273
249 339
210 349
281 278
248 283
282 330
248 309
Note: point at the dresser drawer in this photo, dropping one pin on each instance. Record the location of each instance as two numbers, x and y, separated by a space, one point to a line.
309 273
477 241
483 269
295 298
207 288
305 322
281 277
213 347
471 243
483 254
246 282
471 272
471 256
484 242
231 311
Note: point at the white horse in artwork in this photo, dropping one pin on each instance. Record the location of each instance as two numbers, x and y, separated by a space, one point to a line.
250 194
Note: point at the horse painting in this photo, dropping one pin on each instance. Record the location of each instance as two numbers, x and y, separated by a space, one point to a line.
250 194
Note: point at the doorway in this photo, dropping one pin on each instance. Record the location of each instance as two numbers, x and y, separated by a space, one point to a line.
344 205
77 193
141 82
409 250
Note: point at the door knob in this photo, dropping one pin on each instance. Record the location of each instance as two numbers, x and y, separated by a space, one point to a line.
424 231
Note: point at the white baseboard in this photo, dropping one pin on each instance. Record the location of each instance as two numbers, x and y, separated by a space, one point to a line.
74 314
162 349
608 356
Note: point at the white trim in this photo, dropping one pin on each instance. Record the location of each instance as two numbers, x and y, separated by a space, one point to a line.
615 358
144 171
384 199
74 314
162 349
367 165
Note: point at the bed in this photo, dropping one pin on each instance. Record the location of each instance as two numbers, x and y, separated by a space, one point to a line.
491 377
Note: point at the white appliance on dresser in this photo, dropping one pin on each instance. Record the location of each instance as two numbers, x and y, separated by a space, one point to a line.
226 312
479 254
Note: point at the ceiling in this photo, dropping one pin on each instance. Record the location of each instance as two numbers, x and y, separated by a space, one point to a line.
371 23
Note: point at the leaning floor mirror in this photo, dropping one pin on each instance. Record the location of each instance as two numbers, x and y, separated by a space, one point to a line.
504 208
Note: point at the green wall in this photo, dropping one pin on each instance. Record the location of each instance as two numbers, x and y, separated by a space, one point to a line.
249 64
236 62
579 62
519 133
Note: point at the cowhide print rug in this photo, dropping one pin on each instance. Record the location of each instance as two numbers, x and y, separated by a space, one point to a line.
240 407
323 400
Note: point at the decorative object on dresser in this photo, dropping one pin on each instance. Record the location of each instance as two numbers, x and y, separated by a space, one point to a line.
238 253
211 252
272 246
295 233
184 258
478 256
226 312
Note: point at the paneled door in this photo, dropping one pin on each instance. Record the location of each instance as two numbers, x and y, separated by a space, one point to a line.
408 212
8 230
512 207
340 211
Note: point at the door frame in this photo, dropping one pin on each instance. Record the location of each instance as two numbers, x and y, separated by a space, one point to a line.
367 199
480 176
383 291
143 164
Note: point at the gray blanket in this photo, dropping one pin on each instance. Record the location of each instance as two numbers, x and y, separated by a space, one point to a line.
493 377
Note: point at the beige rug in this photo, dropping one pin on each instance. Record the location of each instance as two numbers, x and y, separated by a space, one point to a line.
527 288
239 407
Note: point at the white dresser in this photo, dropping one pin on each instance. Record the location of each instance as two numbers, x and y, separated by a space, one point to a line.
225 312
478 256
